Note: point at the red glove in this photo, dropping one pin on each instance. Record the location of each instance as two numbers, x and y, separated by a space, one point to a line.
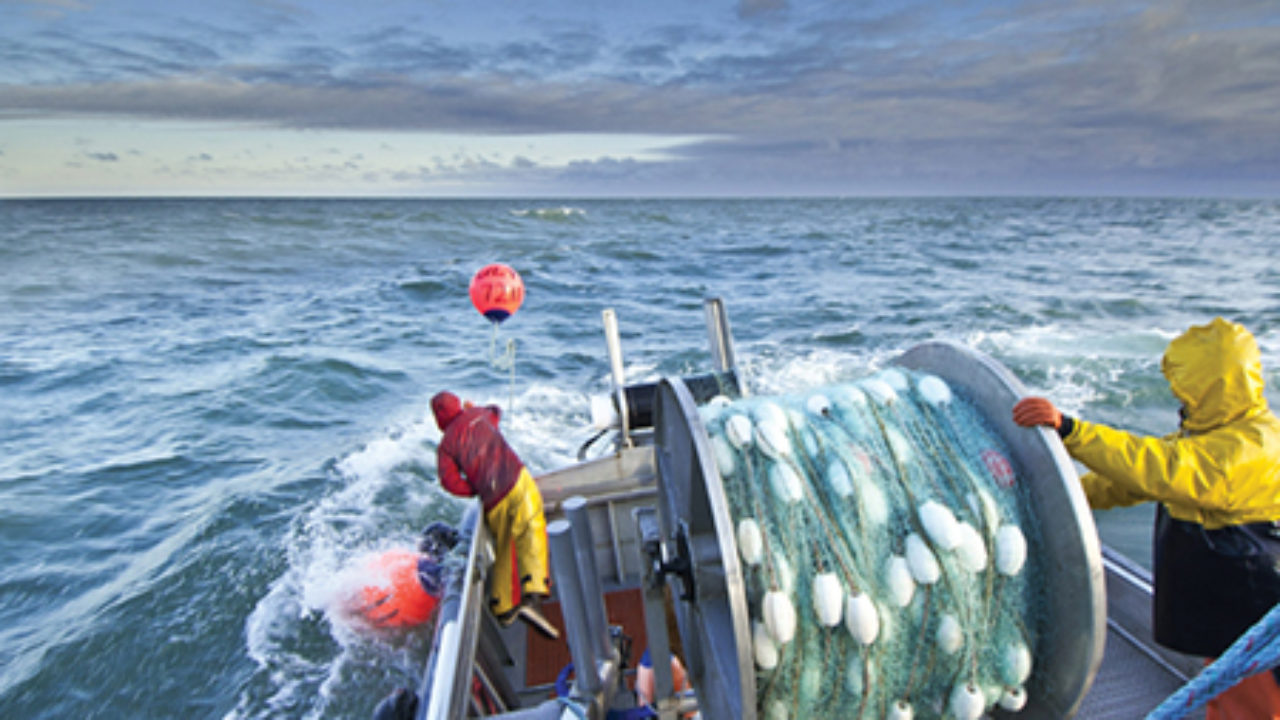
1037 411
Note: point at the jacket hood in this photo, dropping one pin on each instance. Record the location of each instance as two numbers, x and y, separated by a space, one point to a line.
446 407
1216 371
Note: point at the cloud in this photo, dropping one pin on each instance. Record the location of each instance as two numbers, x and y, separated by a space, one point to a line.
179 53
826 77
316 57
604 169
844 93
408 176
751 8
654 56
392 52
103 156
53 9
559 53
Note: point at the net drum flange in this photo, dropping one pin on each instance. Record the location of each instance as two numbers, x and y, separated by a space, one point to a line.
712 614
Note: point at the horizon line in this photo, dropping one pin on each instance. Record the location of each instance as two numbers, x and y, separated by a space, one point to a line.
706 196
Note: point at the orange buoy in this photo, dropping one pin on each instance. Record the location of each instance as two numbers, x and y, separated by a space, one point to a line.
393 596
497 291
645 681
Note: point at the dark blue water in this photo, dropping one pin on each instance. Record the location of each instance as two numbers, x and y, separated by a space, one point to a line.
208 408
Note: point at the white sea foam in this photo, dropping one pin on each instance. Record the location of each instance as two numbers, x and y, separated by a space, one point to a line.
399 447
780 370
564 212
382 491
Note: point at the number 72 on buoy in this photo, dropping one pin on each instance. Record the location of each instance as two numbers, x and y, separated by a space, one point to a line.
497 291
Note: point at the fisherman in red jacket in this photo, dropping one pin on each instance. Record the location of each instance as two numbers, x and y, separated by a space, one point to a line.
474 459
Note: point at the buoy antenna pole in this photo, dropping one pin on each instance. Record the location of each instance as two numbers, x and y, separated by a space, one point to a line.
613 344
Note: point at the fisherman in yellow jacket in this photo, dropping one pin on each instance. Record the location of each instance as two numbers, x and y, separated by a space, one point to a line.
1217 482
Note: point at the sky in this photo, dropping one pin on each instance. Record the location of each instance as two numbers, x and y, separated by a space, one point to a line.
586 98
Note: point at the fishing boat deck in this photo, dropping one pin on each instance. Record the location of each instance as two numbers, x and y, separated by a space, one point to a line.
478 668
1129 684
1136 674
1134 677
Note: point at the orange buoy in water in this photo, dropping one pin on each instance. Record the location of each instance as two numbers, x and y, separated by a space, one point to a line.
497 291
393 596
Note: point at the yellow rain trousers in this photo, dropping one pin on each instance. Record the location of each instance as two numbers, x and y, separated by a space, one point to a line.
518 519
1223 466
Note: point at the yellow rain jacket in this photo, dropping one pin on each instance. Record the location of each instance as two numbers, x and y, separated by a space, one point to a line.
1223 466
1216 545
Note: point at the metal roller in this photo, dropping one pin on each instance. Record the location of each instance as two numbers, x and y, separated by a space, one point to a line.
711 605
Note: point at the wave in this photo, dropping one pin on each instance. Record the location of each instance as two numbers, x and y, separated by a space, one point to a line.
425 289
297 634
311 380
99 564
15 372
381 494
555 214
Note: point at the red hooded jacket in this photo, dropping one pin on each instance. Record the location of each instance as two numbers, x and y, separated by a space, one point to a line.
473 458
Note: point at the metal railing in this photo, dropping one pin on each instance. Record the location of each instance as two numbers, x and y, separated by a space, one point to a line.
446 685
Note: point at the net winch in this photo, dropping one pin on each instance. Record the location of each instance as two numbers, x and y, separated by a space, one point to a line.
879 529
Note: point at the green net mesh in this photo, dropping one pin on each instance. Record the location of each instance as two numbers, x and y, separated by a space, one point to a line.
887 547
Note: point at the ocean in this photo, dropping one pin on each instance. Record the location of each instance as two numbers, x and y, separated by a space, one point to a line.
210 407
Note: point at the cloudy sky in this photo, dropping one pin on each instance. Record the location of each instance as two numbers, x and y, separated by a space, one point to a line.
657 97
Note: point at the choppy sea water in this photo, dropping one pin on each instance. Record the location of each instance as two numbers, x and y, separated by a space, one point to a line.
209 408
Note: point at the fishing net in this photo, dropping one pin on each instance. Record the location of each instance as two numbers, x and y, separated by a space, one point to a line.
888 553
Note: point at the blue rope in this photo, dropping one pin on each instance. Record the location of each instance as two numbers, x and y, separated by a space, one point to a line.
573 707
1258 649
